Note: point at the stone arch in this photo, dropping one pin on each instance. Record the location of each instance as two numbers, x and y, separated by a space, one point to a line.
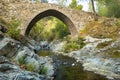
56 14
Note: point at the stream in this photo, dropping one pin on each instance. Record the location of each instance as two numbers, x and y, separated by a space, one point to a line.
69 69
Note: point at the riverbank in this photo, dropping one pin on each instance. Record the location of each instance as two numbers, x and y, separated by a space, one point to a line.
19 62
23 56
94 58
68 69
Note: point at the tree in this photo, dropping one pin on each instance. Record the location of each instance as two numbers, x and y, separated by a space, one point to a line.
93 7
75 6
109 8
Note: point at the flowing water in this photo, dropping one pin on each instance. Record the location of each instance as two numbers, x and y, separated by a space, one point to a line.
69 69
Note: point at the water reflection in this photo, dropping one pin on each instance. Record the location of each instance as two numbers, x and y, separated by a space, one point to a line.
69 69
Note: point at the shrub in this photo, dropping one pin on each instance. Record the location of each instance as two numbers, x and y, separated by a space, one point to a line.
21 60
118 22
73 45
31 67
60 30
13 31
43 70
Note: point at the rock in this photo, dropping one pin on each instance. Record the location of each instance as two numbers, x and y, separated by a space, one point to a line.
44 45
13 72
50 69
4 64
38 62
36 47
26 76
3 77
25 51
116 68
57 46
8 47
101 67
3 60
5 67
74 54
33 45
92 61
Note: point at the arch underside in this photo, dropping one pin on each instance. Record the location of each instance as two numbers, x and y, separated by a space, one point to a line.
56 14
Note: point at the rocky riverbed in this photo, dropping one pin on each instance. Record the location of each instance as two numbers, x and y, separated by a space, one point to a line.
19 61
94 59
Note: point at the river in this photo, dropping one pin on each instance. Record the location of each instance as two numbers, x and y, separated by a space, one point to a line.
69 69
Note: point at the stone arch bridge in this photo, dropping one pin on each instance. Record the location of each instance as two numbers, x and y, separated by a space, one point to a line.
31 12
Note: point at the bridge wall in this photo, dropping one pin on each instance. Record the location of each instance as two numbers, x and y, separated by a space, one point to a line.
27 11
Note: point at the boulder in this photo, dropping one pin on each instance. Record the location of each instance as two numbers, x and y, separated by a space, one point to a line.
13 72
38 62
8 47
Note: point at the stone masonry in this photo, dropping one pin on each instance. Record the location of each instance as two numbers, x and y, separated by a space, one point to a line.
30 12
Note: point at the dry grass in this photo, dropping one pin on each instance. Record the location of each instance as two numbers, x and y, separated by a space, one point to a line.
105 28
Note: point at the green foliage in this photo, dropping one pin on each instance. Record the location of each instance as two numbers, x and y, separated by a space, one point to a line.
21 60
43 70
109 8
36 32
118 22
73 45
31 67
49 28
13 31
60 30
79 7
75 6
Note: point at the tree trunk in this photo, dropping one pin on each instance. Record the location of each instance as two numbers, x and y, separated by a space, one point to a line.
93 7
